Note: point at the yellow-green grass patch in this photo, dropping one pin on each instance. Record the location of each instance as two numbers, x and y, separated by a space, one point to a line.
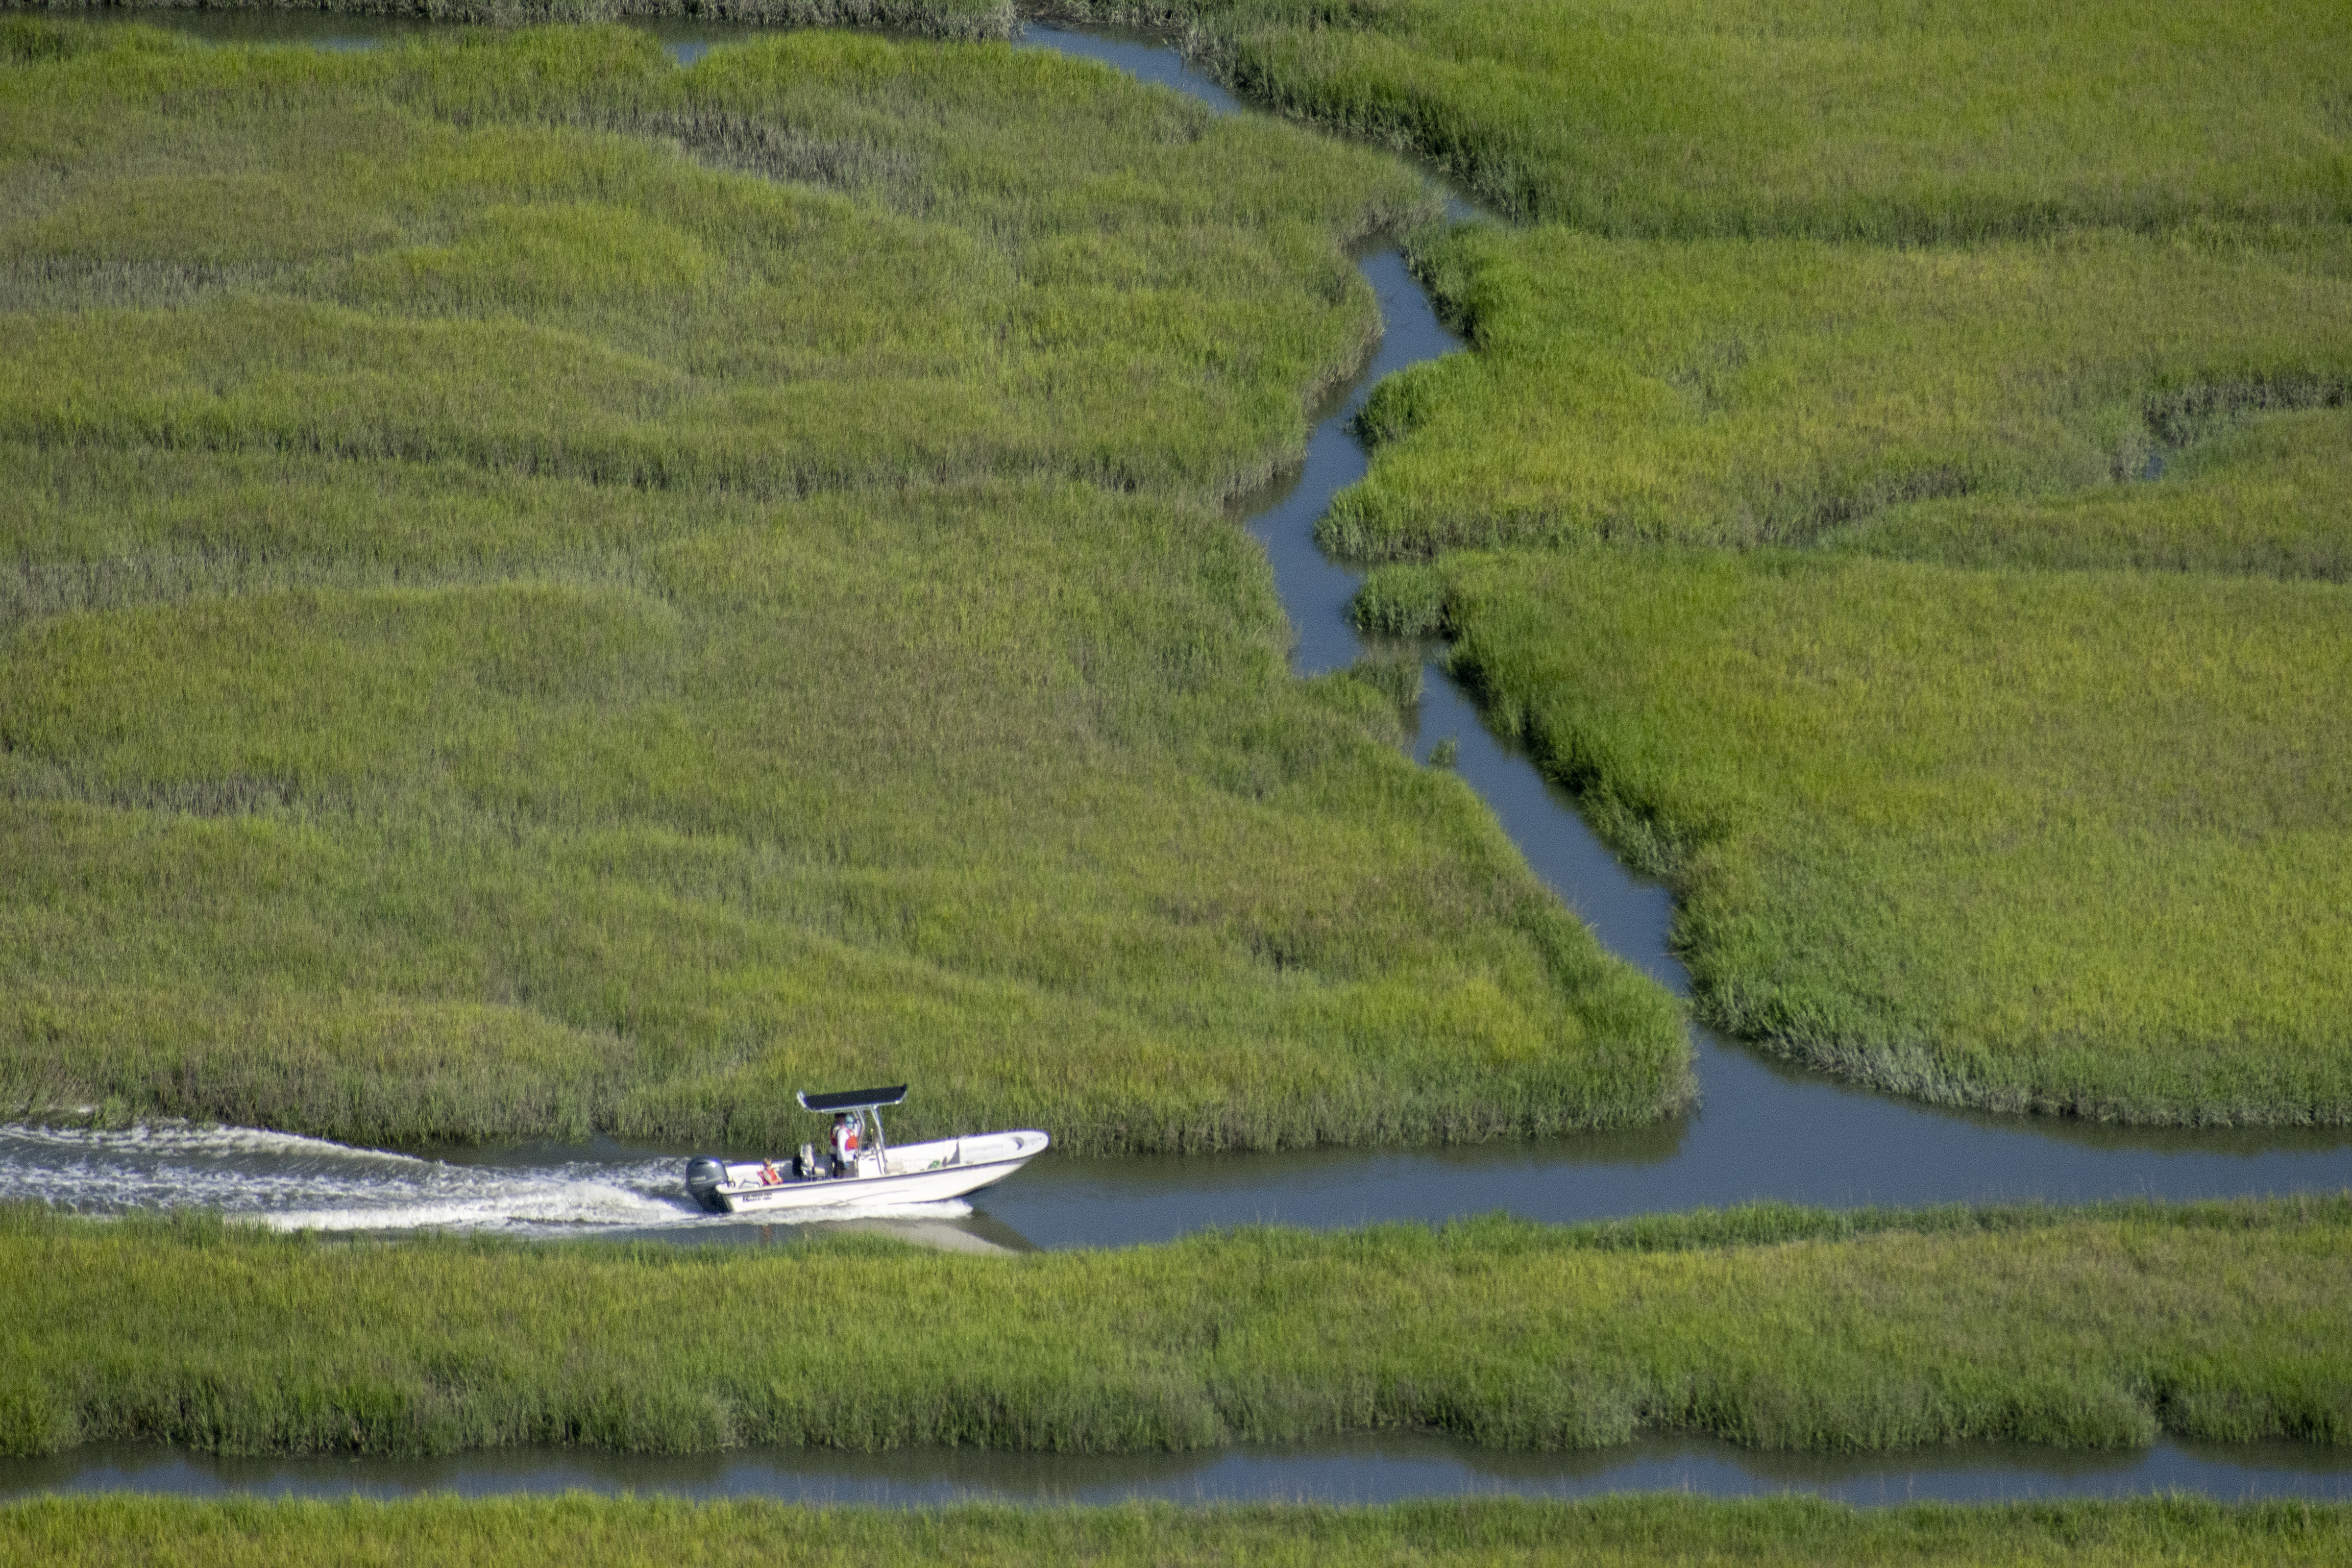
1004 791
1491 1533
510 628
511 253
1879 119
1774 1329
1741 392
962 19
2271 496
1620 1532
2056 841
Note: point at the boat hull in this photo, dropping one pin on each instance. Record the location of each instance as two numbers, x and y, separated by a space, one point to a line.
919 1173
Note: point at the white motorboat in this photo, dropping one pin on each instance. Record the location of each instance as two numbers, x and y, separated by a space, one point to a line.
871 1172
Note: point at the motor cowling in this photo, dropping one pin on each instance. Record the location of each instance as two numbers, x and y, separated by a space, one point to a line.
705 1174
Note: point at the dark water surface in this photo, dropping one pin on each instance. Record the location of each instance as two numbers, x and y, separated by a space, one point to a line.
1763 1131
1369 1469
1146 56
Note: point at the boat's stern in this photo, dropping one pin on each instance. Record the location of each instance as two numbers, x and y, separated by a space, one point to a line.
705 1175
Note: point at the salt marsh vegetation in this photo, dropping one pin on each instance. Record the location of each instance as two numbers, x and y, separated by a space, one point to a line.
965 19
548 591
1636 1533
2269 494
1739 392
2025 840
1878 120
1771 1327
2042 818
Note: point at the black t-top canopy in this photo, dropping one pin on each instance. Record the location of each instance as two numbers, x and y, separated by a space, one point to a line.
852 1098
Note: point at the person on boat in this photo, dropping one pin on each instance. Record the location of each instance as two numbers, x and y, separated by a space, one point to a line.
769 1175
844 1145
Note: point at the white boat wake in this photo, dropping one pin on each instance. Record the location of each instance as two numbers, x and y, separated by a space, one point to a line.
293 1183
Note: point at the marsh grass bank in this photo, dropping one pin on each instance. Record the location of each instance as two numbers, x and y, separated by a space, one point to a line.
510 628
2269 494
539 253
90 1532
2043 818
960 19
2031 841
1740 392
1880 121
1777 1329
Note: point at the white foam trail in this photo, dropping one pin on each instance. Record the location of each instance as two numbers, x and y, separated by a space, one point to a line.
587 1206
179 1138
524 1206
293 1183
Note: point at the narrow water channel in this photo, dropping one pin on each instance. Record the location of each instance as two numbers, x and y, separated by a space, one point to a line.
1763 1131
1367 1470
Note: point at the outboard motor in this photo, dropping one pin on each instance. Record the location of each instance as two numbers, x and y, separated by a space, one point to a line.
705 1174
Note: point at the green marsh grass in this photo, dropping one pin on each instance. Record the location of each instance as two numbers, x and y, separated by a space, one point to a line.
1741 392
962 19
2271 497
961 787
1775 1329
507 630
2045 818
1877 121
503 252
2052 841
1625 1532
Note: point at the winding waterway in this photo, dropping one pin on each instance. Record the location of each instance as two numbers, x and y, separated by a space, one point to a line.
1763 1131
1385 1468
